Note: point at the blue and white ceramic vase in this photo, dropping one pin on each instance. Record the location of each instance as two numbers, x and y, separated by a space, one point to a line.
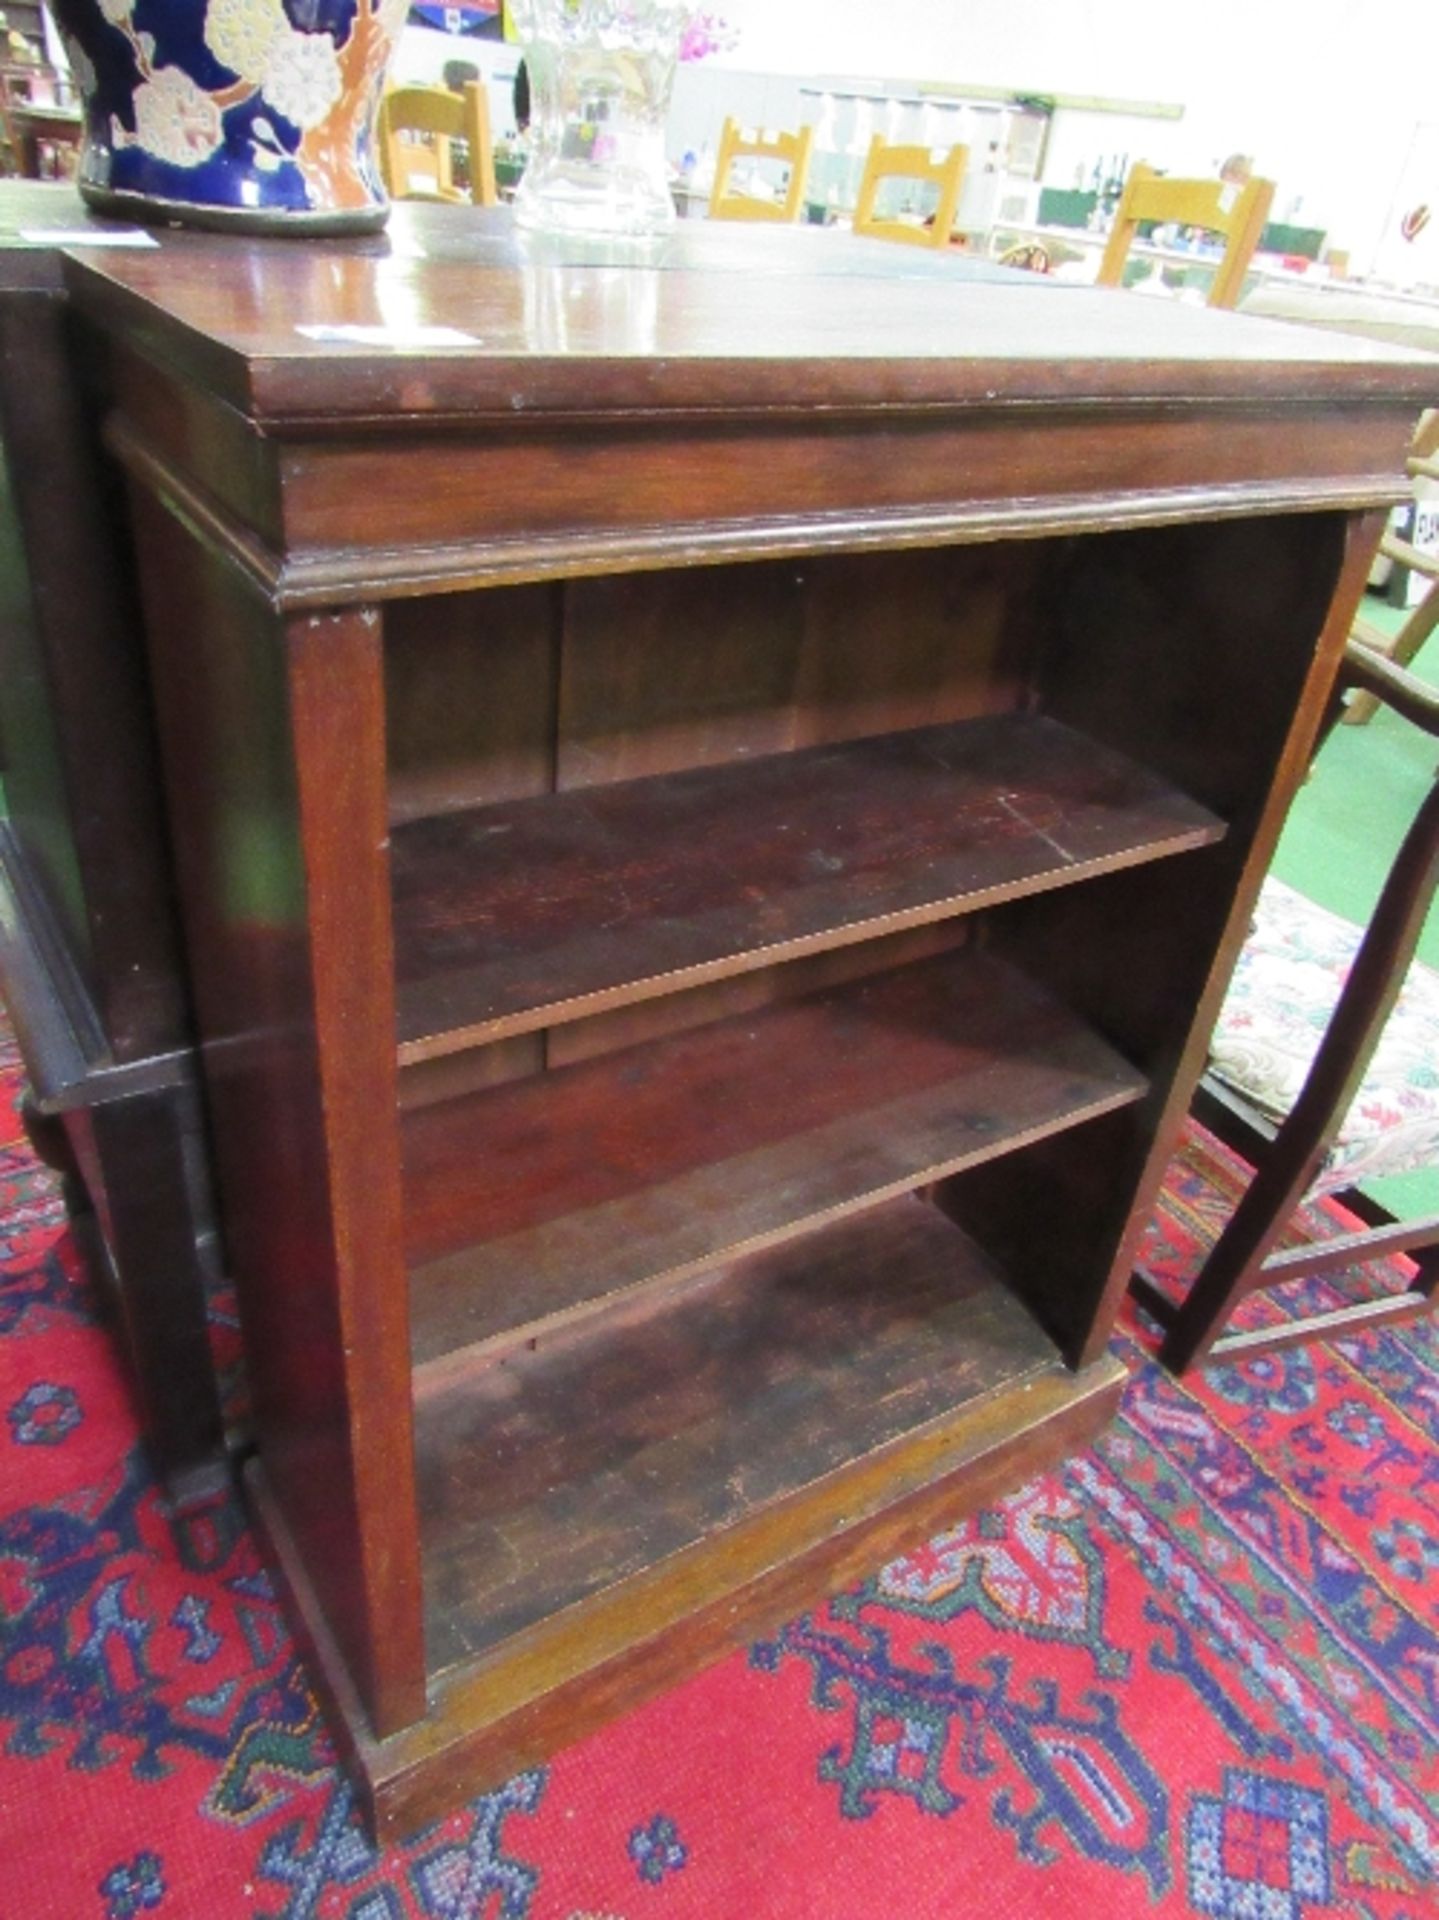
252 114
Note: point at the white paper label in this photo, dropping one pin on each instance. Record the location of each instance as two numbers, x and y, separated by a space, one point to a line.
399 337
88 237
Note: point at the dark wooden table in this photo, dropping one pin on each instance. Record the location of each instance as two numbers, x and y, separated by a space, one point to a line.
90 959
714 801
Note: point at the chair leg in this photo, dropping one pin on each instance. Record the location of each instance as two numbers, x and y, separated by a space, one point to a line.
1359 710
1400 647
1234 1266
1426 1281
1239 1264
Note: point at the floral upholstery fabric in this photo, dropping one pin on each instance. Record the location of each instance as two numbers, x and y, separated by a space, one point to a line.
1278 1005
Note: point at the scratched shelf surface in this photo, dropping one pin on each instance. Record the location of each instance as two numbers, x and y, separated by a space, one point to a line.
525 914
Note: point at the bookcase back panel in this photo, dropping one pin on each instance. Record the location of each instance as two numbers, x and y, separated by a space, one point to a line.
513 691
470 683
910 639
677 669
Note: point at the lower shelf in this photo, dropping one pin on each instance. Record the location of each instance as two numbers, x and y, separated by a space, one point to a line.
556 1472
641 1493
530 1204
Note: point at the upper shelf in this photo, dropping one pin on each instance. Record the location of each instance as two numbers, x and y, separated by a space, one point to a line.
534 912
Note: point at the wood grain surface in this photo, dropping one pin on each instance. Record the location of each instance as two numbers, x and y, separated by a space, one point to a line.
559 1471
686 328
536 1199
517 916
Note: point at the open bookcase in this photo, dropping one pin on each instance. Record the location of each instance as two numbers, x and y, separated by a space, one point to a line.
707 861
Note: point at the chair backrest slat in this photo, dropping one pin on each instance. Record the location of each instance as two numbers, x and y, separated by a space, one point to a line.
1235 213
441 116
740 143
942 170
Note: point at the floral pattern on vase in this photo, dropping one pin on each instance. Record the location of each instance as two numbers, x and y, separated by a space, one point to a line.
251 113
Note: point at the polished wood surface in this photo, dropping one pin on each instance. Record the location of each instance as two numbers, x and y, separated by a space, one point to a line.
640 527
291 987
710 428
682 327
81 772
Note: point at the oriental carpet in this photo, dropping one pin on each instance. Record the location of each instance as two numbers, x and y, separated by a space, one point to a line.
1193 1672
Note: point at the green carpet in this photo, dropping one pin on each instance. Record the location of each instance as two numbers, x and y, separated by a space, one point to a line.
1345 827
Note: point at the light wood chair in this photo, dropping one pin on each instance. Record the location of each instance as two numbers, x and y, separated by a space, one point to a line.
423 168
1237 214
786 149
938 168
1313 1119
1423 618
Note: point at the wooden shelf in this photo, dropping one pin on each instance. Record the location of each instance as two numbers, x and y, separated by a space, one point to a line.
523 915
661 1432
534 1201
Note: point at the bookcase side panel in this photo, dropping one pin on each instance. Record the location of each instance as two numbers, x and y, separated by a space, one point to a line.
1207 651
272 741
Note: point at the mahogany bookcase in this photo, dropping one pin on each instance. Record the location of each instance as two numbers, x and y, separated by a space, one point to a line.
713 797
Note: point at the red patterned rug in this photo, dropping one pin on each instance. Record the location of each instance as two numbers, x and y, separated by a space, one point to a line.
1194 1672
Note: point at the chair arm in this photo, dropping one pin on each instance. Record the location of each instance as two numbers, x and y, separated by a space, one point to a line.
1394 686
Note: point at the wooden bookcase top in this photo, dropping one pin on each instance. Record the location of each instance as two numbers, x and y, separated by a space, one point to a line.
738 395
717 319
